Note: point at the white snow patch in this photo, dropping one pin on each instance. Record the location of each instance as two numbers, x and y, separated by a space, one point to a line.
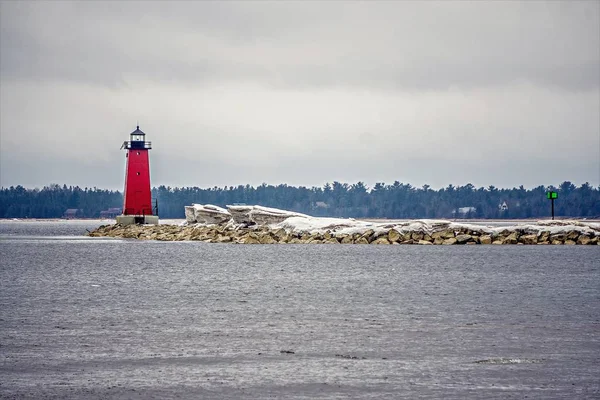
261 215
210 208
351 226
206 214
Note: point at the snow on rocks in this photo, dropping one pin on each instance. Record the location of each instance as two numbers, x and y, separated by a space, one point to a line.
260 215
264 225
241 214
190 214
206 214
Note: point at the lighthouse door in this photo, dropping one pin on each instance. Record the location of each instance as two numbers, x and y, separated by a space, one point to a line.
139 200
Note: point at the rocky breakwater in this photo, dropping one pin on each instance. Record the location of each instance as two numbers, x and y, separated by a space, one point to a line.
261 225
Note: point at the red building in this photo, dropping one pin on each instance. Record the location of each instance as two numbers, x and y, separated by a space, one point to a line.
137 198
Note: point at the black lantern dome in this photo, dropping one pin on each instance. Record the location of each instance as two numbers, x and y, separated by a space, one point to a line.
137 135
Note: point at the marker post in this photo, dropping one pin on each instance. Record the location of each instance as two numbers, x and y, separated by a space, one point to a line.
552 196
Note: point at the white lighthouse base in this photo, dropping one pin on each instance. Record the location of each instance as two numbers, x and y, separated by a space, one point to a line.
132 219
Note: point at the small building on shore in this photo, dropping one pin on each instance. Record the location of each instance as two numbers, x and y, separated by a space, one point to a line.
73 213
110 213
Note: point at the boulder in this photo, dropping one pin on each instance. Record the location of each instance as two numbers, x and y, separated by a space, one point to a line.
463 238
573 235
513 238
381 240
416 236
529 239
347 239
305 237
543 236
583 239
130 235
280 234
393 235
312 237
248 239
437 234
361 240
254 235
485 239
449 234
449 241
379 233
223 239
406 237
184 236
368 235
210 234
424 242
266 238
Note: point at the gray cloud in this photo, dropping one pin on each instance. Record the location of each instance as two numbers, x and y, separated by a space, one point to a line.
303 92
382 45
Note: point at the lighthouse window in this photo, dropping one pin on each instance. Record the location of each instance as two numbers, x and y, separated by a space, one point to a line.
138 153
138 173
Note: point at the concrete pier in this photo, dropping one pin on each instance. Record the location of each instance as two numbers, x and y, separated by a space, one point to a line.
137 219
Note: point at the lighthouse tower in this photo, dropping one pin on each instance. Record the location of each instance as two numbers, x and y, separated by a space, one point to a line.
137 202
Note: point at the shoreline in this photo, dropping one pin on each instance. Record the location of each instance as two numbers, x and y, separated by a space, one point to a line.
177 221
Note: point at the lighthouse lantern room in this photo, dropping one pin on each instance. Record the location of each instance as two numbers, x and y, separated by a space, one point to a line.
137 197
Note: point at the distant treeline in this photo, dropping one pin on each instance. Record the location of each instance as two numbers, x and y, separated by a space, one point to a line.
337 199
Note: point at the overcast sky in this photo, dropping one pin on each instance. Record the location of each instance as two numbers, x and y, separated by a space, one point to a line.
489 93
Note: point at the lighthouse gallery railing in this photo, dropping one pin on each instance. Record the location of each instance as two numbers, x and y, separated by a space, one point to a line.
136 145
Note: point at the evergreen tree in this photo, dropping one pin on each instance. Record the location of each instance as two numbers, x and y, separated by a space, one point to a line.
337 199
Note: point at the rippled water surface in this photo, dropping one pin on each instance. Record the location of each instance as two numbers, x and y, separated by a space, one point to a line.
108 318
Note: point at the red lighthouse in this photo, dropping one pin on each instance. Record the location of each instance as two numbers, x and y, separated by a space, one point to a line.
137 204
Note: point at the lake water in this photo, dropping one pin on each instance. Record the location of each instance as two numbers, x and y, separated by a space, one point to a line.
105 318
